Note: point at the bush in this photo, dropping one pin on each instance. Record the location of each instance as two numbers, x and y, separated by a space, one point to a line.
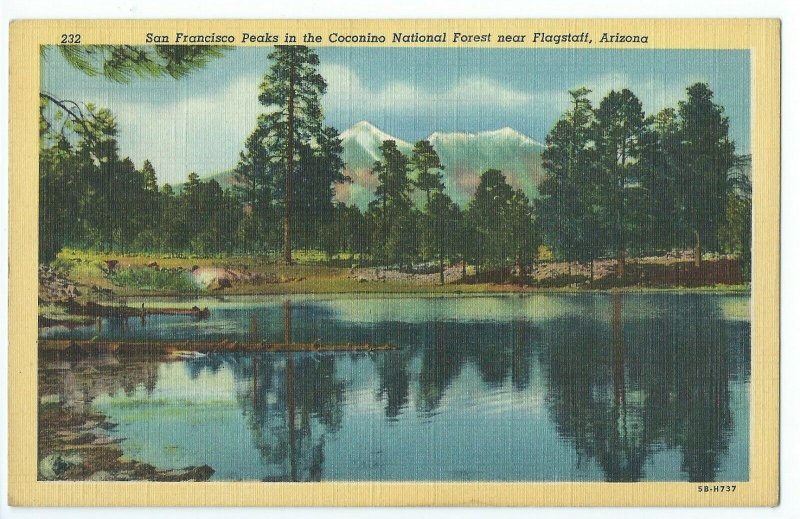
146 278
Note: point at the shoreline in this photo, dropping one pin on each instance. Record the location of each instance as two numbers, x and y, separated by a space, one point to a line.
79 446
423 290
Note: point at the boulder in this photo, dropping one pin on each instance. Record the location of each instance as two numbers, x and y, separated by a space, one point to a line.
101 475
56 465
219 284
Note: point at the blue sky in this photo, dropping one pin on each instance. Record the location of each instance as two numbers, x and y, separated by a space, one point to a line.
199 123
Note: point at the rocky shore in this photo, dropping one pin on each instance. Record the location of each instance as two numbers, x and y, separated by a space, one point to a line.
75 445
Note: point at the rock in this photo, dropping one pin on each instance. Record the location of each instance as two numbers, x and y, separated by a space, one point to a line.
104 440
55 465
101 475
201 473
90 424
76 438
50 399
124 475
219 284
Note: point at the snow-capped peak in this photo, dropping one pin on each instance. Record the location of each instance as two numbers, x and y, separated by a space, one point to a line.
366 133
505 134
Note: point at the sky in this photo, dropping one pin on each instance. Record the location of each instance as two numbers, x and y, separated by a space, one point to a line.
199 123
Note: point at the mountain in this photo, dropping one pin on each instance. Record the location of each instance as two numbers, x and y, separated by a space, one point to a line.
360 150
464 155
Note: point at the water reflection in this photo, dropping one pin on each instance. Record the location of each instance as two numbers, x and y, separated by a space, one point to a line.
624 388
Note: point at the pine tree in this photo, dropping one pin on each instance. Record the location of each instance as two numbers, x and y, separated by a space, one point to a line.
428 167
488 212
706 157
440 218
657 218
292 89
319 167
619 126
568 208
392 209
253 184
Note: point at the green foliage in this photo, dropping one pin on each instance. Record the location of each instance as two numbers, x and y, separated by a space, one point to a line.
569 208
428 167
615 180
707 158
346 231
86 187
501 224
620 180
618 131
304 156
146 278
392 216
122 63
91 197
439 221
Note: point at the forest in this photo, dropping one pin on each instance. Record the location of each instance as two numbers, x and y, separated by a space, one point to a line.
619 183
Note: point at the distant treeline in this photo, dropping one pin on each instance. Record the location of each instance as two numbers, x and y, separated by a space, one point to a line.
618 183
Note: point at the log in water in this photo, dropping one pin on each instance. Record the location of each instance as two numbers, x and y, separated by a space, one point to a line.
79 348
97 310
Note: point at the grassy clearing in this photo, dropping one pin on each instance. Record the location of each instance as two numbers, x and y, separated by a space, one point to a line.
132 277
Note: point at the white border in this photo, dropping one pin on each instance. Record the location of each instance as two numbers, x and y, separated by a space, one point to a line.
788 11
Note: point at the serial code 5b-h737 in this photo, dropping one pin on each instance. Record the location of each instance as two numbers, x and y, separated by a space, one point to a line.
716 488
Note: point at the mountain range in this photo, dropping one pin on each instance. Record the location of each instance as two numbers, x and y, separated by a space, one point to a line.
465 156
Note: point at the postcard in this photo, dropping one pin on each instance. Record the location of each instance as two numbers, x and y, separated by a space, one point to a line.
394 262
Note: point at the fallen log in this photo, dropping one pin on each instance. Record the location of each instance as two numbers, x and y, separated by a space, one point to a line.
46 322
97 310
81 348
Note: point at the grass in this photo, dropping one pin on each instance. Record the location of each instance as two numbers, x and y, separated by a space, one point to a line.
145 278
132 277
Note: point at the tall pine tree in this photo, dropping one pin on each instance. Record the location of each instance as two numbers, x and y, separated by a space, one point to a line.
619 126
707 155
293 130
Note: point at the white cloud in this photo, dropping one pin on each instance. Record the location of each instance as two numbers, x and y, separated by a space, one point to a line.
197 133
347 93
654 95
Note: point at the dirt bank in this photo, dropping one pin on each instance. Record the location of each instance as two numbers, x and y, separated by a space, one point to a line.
77 445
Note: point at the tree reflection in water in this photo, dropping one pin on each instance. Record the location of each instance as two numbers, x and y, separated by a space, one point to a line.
623 379
653 384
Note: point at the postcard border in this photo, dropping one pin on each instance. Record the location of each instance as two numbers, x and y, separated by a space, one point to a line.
760 36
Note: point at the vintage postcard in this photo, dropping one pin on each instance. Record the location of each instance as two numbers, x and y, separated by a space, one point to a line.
394 262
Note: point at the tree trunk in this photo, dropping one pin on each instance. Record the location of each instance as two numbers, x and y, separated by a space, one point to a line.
287 210
698 251
618 351
290 403
441 258
621 217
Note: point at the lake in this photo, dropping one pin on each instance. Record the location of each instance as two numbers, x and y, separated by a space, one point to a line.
538 387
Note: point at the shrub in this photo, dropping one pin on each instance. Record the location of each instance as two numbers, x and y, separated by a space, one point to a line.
146 278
